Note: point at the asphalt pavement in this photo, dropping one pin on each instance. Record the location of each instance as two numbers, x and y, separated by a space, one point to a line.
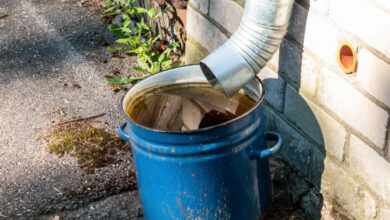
52 64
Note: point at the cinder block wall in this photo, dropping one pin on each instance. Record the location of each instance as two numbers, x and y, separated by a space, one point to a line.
336 126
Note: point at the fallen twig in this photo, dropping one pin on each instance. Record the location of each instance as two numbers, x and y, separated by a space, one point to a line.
3 16
273 172
82 119
57 190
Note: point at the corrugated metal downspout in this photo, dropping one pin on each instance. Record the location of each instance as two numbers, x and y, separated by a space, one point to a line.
257 38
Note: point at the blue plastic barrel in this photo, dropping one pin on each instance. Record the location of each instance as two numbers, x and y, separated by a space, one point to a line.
219 172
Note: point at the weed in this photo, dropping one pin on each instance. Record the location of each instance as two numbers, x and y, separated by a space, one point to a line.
136 37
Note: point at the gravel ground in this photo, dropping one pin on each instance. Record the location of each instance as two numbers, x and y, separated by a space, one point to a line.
44 46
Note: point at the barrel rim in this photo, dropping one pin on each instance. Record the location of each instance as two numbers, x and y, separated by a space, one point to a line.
128 119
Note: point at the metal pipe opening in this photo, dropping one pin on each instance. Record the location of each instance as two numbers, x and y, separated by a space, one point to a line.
257 38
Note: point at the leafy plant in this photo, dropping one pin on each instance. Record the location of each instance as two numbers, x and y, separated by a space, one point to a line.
136 37
127 80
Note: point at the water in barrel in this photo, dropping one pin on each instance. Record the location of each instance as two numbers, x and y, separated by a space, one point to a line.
187 108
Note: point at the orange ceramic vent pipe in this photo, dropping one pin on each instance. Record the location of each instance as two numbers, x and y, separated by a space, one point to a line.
346 57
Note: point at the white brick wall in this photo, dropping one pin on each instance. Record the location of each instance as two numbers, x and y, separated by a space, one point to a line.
227 13
374 76
313 101
317 166
367 21
204 32
352 107
322 6
371 167
297 109
314 33
298 67
295 147
202 5
339 185
333 132
382 4
384 214
315 122
274 87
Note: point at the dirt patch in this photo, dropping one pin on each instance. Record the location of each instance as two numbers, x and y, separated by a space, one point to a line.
333 212
93 147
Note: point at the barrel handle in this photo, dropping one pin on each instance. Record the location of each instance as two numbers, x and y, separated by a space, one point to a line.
122 133
269 136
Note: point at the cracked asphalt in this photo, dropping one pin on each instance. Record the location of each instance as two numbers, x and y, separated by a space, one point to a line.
44 46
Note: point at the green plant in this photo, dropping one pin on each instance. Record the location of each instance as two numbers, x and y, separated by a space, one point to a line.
136 37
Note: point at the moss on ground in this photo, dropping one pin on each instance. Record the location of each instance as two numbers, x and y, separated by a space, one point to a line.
93 147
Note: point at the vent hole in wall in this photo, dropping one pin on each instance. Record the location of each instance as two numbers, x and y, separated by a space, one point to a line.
346 57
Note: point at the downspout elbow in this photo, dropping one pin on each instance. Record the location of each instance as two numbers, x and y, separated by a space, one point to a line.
256 39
